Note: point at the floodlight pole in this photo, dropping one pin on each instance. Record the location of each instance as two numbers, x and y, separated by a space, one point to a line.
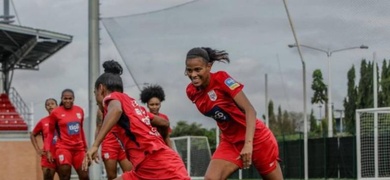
93 74
329 55
305 134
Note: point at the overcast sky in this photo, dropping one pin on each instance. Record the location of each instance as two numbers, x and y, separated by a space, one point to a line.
255 33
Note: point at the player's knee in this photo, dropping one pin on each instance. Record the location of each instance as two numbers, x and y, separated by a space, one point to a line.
64 176
212 177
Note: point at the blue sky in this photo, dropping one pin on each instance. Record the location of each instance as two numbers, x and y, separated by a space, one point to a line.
255 33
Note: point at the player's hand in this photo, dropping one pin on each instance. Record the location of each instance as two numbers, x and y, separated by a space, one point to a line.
49 156
40 152
246 155
89 157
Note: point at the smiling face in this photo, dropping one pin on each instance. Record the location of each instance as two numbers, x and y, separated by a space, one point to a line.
198 70
67 99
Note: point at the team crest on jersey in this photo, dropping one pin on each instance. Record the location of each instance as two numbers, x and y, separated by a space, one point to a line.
106 156
212 95
78 115
231 83
61 157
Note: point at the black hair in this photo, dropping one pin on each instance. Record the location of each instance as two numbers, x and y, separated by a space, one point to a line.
48 99
151 91
62 94
111 76
208 54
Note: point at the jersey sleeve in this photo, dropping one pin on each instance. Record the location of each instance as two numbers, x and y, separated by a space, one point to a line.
38 128
52 121
228 84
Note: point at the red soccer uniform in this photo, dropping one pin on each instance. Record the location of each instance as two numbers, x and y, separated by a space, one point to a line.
71 143
112 147
42 128
150 156
216 101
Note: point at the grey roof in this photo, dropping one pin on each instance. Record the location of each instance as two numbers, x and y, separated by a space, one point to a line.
25 47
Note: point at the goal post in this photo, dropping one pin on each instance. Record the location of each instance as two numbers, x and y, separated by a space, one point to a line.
195 153
373 143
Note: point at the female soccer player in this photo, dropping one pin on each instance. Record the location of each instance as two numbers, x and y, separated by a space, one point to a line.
151 158
71 145
112 150
152 96
244 139
42 128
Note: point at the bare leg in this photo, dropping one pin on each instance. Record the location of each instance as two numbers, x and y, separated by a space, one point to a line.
111 168
48 173
126 165
64 172
220 169
83 175
276 174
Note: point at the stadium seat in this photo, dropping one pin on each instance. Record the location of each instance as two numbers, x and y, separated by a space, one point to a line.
10 120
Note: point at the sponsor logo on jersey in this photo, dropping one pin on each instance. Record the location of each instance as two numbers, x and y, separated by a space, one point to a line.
231 83
78 115
73 128
212 95
218 114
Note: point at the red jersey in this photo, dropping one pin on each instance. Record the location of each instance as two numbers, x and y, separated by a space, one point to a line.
216 101
136 132
42 128
69 125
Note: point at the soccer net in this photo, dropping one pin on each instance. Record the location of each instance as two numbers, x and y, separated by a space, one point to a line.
195 152
373 143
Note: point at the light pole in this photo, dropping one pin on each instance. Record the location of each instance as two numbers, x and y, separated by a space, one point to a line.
329 54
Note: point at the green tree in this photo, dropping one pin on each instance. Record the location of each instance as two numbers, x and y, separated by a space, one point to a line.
384 94
350 104
182 128
320 90
314 128
273 125
365 89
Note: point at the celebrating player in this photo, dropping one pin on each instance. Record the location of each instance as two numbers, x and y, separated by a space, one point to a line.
152 96
71 145
42 128
244 139
151 158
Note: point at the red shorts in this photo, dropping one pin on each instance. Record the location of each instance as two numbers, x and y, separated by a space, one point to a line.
162 164
70 157
46 164
112 149
265 155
